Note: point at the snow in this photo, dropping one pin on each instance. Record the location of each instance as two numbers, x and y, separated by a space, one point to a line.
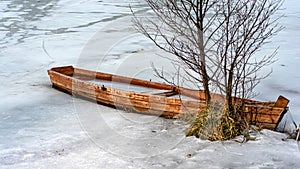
44 128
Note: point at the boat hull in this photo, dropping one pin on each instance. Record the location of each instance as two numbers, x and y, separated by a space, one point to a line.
160 103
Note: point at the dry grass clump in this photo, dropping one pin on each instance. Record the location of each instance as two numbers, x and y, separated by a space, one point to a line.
217 123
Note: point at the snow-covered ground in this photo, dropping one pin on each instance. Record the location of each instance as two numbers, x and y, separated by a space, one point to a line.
43 128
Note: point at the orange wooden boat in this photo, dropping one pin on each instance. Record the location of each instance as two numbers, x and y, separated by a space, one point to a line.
154 98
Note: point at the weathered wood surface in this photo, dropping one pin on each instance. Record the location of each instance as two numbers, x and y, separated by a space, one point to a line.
73 80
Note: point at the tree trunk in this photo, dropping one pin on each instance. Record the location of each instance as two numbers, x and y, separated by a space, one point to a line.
229 104
205 77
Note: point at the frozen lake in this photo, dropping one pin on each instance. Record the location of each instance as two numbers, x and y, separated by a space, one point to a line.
43 128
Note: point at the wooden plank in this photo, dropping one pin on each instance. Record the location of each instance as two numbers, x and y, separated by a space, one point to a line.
263 118
263 110
66 70
282 102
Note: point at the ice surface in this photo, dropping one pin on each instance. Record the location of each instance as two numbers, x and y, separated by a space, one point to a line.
44 128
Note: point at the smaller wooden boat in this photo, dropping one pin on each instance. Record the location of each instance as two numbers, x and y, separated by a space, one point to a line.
155 98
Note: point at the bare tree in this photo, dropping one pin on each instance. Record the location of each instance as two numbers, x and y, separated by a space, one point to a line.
216 41
178 28
248 26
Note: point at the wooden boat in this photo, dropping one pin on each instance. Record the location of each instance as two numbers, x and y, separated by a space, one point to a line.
154 98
